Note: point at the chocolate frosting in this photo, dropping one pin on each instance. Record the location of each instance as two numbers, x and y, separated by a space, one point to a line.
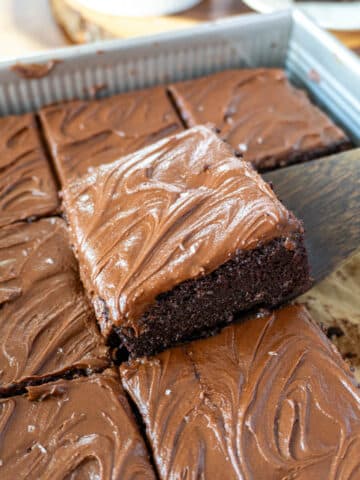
266 399
27 188
171 212
84 134
46 323
30 71
259 113
80 429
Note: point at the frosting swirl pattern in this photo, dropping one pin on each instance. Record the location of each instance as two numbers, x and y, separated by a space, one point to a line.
268 398
81 429
46 324
27 188
171 212
85 134
260 114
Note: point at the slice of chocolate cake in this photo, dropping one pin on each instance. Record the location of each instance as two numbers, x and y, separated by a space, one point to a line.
269 398
79 429
83 134
47 327
27 188
261 115
175 238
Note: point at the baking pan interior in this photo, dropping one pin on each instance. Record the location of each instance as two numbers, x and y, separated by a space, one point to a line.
313 59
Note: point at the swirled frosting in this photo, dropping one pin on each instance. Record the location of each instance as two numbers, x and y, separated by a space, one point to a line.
46 323
260 114
269 398
27 188
79 429
86 134
171 212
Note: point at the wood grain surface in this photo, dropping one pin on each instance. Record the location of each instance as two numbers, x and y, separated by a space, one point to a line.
27 27
82 24
325 194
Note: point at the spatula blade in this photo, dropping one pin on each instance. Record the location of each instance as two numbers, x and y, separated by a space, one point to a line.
325 194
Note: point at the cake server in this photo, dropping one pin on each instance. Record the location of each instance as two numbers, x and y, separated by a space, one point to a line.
325 194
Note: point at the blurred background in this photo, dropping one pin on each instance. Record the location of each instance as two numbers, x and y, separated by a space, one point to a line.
31 25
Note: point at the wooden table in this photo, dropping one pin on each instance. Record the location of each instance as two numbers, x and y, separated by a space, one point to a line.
90 26
351 39
28 27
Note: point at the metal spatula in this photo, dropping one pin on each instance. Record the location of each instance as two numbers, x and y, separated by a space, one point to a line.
325 194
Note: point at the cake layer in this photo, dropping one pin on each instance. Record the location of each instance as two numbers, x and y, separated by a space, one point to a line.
261 115
47 326
269 398
268 275
175 212
27 188
81 429
83 134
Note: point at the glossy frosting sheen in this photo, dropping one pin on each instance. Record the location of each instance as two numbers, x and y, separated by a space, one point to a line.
66 430
171 212
27 188
259 113
84 134
266 399
46 324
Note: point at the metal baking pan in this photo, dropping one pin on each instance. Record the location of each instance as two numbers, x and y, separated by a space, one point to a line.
313 59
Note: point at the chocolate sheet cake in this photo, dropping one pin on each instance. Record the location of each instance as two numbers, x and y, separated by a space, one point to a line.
27 188
175 238
79 429
266 399
263 117
47 326
83 134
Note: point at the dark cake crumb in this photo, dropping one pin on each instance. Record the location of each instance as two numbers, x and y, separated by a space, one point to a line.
335 331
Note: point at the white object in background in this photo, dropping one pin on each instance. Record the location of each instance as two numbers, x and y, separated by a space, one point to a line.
332 15
138 8
284 39
26 27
